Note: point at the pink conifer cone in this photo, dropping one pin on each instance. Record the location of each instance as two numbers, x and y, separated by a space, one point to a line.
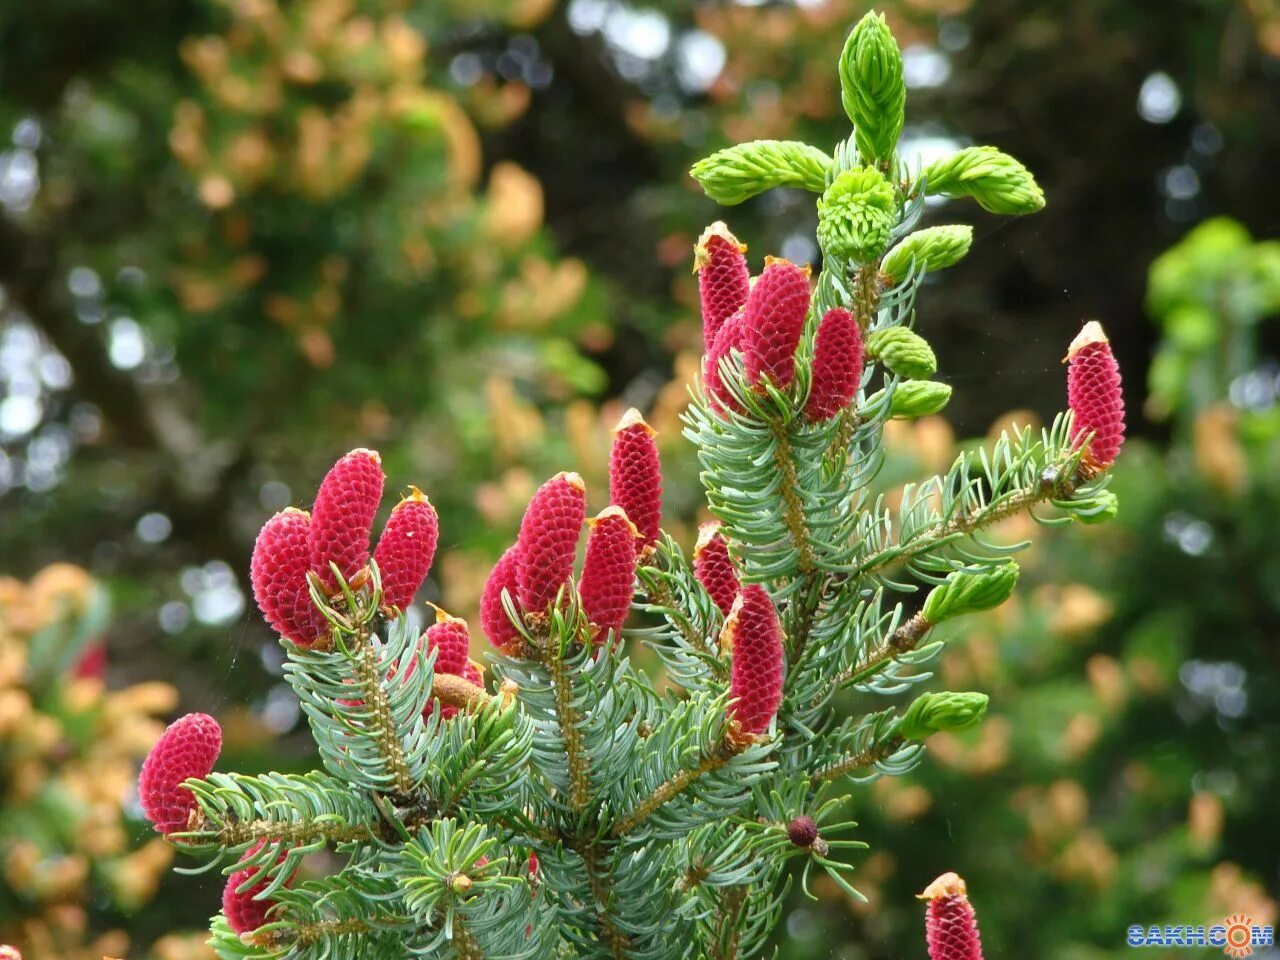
837 365
497 626
773 321
723 278
342 520
729 338
278 572
406 549
713 567
951 926
753 635
549 540
451 640
188 748
244 913
1095 397
608 572
635 476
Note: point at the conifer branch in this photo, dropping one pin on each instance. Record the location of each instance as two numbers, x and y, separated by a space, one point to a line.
727 923
385 729
571 732
903 640
659 592
1050 485
670 789
793 507
465 944
860 760
602 895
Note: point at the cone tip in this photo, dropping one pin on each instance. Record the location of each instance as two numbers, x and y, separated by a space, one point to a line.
947 885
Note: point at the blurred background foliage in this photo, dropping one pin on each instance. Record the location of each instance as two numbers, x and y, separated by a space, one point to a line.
239 237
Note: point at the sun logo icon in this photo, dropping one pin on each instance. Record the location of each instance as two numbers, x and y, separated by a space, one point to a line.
1239 935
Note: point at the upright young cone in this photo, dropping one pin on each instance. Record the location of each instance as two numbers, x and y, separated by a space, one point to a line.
837 365
723 278
406 549
753 634
497 626
609 572
549 539
278 573
188 748
342 519
951 927
635 476
451 641
243 911
729 338
713 567
1095 397
773 321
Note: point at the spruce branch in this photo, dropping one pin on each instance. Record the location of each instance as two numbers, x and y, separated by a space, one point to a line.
384 728
790 492
570 727
860 761
671 788
727 923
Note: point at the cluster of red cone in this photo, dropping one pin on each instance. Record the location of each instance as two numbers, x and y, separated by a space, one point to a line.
534 571
337 532
765 321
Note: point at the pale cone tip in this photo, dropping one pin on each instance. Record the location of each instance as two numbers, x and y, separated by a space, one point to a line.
366 452
783 261
444 616
1089 334
414 496
613 510
633 418
294 510
706 533
572 479
947 885
702 249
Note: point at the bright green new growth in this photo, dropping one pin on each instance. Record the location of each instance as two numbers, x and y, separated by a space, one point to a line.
930 249
856 214
998 182
903 352
739 173
912 399
660 831
933 713
970 592
872 89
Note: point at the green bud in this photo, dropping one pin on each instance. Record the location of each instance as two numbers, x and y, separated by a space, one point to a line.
856 214
904 352
739 173
967 592
998 182
933 248
872 89
934 712
919 398
1097 509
